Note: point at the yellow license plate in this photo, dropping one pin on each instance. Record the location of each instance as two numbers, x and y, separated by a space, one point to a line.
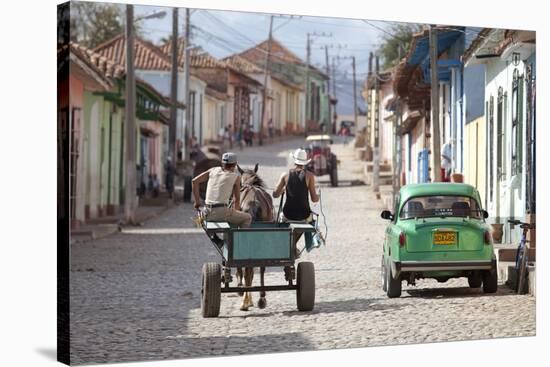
444 238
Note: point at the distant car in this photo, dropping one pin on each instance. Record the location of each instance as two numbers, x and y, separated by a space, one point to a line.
347 128
438 231
323 161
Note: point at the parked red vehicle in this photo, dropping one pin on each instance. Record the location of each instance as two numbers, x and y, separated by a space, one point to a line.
323 161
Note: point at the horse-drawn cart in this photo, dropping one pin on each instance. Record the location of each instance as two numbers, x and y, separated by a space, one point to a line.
264 244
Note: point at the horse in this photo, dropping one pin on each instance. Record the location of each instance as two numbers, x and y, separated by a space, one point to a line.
258 203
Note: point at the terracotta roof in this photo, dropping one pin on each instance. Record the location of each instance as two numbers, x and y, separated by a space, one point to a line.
112 70
279 54
215 94
198 59
103 65
243 65
147 56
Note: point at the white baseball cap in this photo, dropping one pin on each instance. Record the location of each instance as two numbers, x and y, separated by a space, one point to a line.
300 157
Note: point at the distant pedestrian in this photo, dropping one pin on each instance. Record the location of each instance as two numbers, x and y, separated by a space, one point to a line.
248 136
221 135
169 171
270 128
230 135
446 162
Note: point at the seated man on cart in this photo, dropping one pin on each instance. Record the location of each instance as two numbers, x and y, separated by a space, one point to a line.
222 183
299 185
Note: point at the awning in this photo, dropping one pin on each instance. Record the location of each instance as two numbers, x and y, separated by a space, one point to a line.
421 44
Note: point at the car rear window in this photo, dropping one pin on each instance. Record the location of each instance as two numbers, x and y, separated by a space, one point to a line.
440 206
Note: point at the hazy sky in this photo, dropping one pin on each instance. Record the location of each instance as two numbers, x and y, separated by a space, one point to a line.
222 33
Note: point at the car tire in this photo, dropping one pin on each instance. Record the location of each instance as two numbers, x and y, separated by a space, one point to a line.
211 289
475 280
490 281
305 284
393 285
383 277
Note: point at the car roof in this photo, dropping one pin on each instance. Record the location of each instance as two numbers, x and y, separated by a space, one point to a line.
318 137
437 188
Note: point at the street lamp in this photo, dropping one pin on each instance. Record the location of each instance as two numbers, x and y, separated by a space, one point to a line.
157 15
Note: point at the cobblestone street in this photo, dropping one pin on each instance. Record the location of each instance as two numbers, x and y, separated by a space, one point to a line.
136 295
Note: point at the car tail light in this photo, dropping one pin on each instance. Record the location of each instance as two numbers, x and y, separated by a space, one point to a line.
402 239
487 238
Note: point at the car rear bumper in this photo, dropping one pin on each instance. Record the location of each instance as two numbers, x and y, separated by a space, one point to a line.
421 266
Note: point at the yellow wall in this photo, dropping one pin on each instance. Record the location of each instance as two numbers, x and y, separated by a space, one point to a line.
475 155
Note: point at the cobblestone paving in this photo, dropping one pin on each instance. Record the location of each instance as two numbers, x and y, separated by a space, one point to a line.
136 295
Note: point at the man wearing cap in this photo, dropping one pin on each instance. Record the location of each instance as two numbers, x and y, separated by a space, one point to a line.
222 183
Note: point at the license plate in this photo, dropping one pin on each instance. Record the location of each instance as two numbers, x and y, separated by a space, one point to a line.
444 238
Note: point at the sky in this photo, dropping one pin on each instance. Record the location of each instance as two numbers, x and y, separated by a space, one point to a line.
223 33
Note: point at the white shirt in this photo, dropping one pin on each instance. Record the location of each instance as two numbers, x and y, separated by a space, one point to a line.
220 186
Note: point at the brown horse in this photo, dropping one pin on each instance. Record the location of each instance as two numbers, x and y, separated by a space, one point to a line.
258 203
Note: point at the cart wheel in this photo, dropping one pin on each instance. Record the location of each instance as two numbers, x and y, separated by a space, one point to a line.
211 289
305 281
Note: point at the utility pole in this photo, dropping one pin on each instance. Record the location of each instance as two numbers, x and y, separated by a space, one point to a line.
187 163
266 71
376 151
354 91
434 93
186 66
328 87
308 52
335 114
173 99
368 144
130 204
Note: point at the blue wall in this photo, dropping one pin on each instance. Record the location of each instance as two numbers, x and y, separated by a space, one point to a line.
474 90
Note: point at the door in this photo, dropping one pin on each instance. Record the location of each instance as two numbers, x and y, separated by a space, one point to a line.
74 155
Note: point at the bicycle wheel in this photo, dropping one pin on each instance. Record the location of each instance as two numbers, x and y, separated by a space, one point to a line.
522 270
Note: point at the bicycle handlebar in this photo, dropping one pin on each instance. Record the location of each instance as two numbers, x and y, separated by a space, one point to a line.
523 225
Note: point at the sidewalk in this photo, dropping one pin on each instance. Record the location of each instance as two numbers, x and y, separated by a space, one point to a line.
105 226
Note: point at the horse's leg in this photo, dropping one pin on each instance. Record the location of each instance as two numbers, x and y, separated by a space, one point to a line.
239 276
249 276
262 302
247 297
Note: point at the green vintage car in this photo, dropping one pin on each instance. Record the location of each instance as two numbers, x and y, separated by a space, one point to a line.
438 231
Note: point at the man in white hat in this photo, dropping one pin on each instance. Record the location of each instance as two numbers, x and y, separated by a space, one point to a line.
297 183
222 183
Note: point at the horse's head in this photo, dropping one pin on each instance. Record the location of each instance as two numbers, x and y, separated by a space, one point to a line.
249 177
254 199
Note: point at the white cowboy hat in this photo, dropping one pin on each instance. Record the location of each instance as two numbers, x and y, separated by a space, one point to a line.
300 157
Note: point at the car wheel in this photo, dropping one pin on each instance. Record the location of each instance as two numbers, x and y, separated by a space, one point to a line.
490 281
474 280
393 285
383 278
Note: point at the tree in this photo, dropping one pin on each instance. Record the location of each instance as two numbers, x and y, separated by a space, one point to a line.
94 23
396 43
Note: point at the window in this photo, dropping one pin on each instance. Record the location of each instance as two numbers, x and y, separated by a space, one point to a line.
491 125
192 112
517 122
501 146
440 206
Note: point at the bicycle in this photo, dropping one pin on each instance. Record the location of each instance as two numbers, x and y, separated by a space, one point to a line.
522 254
